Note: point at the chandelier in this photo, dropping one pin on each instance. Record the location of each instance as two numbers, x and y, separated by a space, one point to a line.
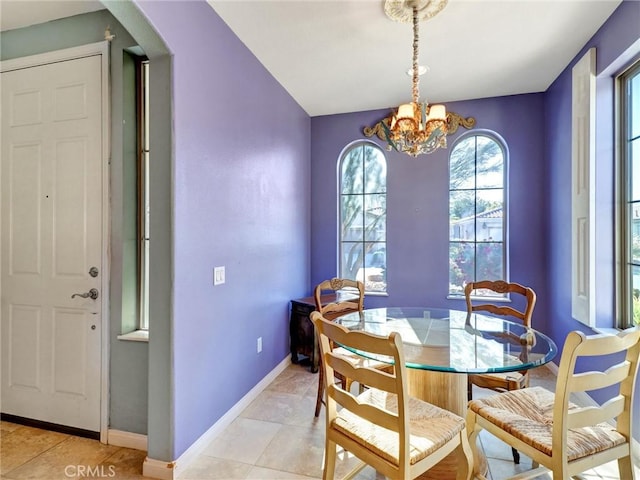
416 128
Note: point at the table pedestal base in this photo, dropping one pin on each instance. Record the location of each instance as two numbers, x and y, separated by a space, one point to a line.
446 390
449 391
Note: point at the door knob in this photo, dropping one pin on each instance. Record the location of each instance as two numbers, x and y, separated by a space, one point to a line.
93 294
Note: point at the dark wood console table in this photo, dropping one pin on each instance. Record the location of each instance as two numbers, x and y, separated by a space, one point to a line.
301 330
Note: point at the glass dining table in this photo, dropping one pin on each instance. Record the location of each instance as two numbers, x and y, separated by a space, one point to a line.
442 346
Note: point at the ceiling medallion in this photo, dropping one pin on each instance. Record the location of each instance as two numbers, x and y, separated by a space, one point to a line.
402 10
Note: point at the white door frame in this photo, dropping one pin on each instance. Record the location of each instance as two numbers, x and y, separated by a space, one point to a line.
102 49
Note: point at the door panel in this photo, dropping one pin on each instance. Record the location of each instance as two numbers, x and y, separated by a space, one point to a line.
51 215
24 347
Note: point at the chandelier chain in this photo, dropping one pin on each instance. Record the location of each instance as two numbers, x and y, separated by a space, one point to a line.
415 85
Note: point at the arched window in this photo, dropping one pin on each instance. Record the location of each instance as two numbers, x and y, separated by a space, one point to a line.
477 211
362 179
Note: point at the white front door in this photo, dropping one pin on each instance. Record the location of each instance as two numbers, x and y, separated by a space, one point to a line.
52 242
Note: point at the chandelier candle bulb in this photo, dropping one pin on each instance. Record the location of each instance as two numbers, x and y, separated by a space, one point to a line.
406 111
437 112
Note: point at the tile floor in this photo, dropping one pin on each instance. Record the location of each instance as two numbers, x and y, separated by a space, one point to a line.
276 437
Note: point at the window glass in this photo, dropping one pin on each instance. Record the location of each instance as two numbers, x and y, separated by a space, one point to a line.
476 212
363 216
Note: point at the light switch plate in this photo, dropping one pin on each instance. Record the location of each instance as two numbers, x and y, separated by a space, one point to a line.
218 276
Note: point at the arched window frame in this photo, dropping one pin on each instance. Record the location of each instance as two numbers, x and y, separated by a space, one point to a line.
468 253
362 248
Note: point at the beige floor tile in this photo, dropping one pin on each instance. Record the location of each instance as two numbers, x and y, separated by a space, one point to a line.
501 469
295 449
610 471
260 473
544 377
369 474
125 463
301 450
21 444
66 459
494 448
208 468
8 426
286 408
297 380
244 440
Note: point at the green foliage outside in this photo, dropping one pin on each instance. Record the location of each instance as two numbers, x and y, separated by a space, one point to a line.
636 306
476 175
488 264
635 256
363 213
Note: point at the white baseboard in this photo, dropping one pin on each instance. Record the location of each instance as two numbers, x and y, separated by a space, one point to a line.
170 470
120 438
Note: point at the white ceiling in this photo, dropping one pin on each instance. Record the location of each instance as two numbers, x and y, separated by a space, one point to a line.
23 13
337 56
343 56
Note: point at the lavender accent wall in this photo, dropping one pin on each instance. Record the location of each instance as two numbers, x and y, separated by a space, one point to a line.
241 199
612 42
418 208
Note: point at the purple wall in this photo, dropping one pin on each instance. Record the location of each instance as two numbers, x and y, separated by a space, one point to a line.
418 208
241 199
612 42
241 183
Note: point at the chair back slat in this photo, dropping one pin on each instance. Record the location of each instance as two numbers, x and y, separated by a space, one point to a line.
607 344
583 382
503 311
332 311
362 374
588 416
377 415
358 340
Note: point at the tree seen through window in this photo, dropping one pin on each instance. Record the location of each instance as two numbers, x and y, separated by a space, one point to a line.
363 216
476 212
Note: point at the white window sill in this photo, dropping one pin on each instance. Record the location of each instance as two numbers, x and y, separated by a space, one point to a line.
485 299
376 294
135 336
608 330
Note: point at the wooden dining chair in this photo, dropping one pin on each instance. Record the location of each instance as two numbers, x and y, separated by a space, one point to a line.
554 432
349 298
398 435
501 382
